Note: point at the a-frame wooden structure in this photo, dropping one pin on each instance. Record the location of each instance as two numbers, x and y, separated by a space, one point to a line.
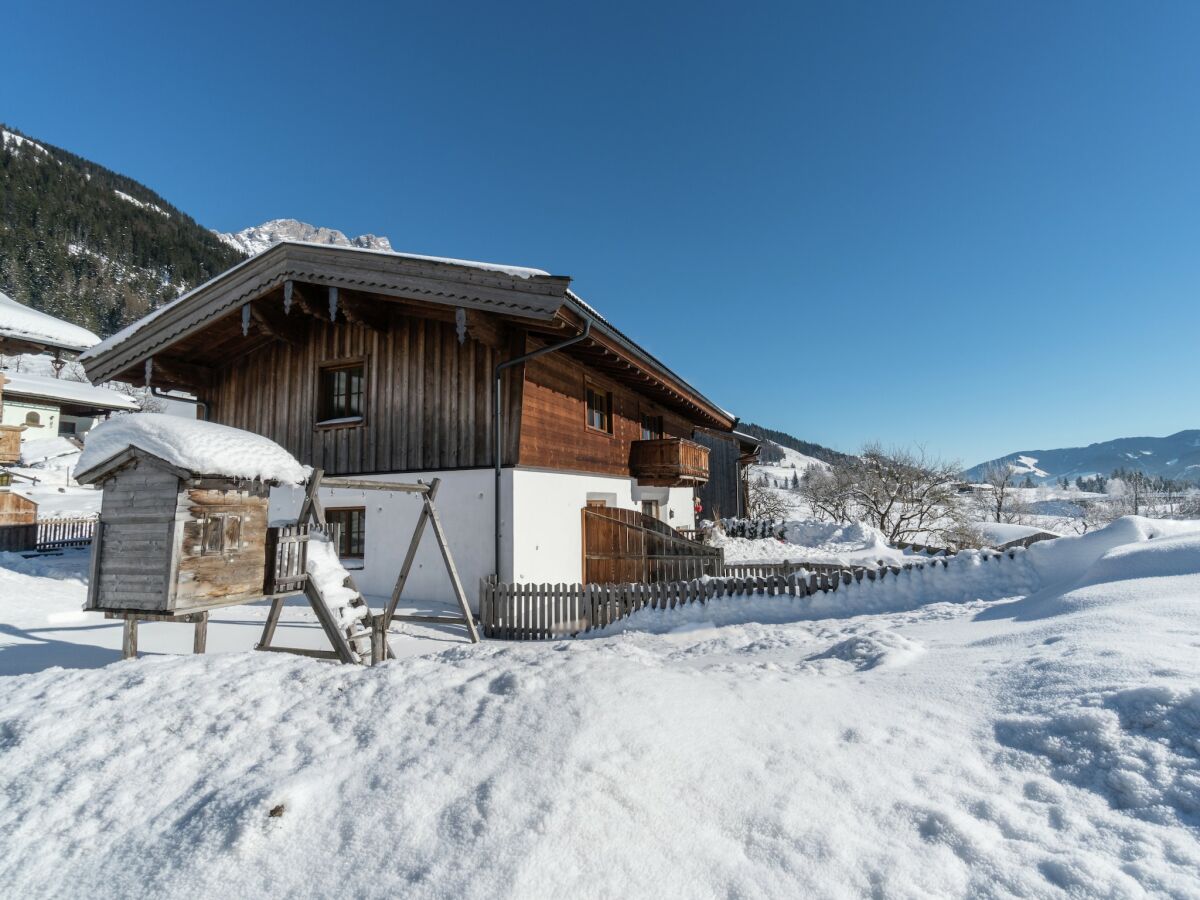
352 643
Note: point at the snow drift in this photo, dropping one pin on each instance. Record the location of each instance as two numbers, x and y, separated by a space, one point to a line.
948 745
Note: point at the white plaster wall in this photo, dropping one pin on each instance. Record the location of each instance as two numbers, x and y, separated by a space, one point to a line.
465 507
548 543
14 412
542 527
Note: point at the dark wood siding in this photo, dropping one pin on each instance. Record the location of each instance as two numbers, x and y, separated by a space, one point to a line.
554 432
719 495
428 398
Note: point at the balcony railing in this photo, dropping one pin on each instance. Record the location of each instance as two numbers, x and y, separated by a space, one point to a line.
669 462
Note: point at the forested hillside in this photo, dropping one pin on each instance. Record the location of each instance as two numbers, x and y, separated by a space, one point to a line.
90 246
786 440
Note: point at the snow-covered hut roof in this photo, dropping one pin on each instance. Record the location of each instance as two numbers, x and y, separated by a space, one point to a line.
62 391
195 446
21 324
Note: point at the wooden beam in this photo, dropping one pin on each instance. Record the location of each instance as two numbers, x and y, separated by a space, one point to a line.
304 299
362 311
178 372
282 328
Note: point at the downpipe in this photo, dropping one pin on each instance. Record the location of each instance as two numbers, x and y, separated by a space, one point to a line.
498 421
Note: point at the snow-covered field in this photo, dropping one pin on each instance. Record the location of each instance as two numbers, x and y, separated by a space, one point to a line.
1025 726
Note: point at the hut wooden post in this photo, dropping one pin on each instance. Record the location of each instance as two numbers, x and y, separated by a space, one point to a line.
129 639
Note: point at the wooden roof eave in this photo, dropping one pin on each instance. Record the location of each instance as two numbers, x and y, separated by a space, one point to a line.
449 284
631 364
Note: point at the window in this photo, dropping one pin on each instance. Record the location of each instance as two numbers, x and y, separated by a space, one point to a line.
650 508
341 392
652 427
32 418
599 409
220 534
353 524
65 427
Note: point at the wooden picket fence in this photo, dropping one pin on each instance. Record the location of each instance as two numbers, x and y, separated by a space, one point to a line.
766 570
533 612
56 534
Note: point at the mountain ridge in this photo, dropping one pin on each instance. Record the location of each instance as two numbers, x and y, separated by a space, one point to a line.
1174 456
92 246
257 238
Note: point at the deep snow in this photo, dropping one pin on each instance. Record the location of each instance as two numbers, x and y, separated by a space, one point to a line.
1043 744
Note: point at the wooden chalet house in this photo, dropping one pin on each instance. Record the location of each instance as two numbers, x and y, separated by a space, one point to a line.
393 366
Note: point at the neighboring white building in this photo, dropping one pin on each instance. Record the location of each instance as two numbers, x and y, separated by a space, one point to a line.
49 407
25 330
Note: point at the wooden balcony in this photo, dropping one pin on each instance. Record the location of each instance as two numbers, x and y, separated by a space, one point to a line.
10 444
669 462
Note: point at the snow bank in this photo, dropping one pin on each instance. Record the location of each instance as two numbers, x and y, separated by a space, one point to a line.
810 540
19 321
1067 559
203 448
950 749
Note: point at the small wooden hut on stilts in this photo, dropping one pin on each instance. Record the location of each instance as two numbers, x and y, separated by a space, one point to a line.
184 529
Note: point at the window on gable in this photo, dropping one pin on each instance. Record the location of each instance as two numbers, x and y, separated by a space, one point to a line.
652 427
599 409
352 522
32 418
340 395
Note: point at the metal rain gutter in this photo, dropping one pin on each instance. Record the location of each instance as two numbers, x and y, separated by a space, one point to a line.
498 419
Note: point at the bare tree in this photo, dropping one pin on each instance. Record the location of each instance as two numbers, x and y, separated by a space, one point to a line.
902 493
762 500
999 477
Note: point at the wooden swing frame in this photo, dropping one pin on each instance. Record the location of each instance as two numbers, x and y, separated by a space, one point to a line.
312 512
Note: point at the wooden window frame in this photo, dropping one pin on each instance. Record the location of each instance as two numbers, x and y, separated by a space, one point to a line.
325 367
345 533
590 386
227 526
643 415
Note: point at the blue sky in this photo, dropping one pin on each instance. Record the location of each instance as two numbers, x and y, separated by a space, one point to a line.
973 226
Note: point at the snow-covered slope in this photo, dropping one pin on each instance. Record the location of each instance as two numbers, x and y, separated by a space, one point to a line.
944 745
259 237
1174 456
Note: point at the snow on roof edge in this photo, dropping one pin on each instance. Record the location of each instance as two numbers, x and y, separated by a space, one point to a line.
26 323
194 445
78 392
103 346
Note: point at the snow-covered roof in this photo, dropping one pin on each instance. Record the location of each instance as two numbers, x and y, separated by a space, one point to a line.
61 390
19 322
202 448
133 328
1003 532
527 292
